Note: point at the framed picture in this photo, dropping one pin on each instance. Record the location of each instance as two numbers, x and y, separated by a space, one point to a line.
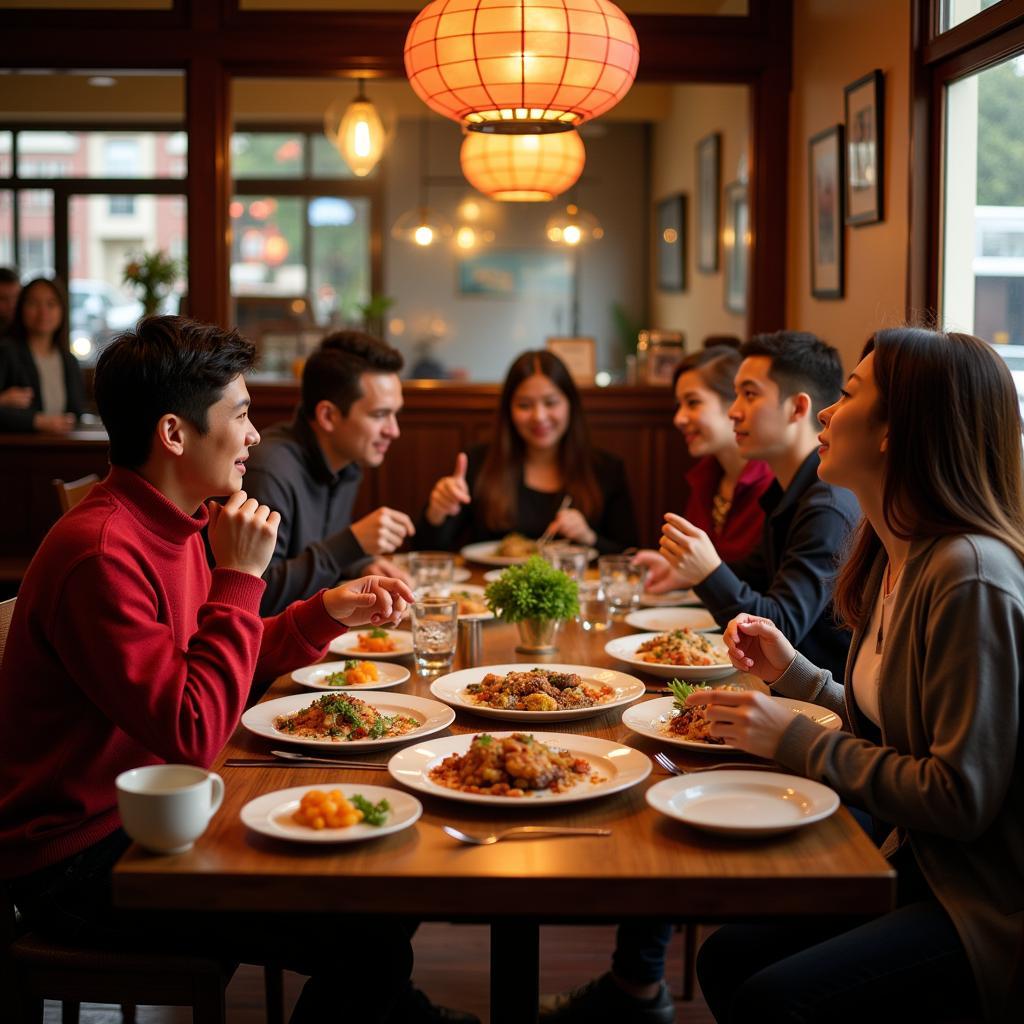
826 195
864 134
671 244
516 273
579 356
709 187
659 353
736 240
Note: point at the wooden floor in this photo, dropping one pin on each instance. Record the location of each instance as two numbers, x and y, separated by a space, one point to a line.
451 966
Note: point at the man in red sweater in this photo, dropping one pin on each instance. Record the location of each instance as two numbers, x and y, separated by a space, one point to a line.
126 650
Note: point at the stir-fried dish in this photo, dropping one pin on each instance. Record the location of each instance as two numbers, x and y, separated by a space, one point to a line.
515 545
691 722
538 689
375 641
510 766
355 673
680 647
342 717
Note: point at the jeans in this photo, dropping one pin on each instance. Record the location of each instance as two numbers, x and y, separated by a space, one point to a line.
71 901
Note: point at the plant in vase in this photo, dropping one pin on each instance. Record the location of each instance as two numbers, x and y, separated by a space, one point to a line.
538 598
152 275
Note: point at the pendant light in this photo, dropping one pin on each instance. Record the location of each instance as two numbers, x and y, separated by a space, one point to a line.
522 168
422 226
521 66
573 227
357 133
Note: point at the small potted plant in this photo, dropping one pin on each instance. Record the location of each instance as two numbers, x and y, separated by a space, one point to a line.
152 275
538 598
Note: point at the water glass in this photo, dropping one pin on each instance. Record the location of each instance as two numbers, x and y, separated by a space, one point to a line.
623 582
594 614
569 558
432 572
434 624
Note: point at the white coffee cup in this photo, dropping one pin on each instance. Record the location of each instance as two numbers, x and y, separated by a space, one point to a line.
166 807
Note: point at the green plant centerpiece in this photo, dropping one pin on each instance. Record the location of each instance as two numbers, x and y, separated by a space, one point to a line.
152 275
538 598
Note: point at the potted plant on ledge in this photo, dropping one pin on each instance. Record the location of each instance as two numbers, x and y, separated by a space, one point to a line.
538 598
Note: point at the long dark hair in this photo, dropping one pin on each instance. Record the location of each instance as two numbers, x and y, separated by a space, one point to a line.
953 461
498 482
60 336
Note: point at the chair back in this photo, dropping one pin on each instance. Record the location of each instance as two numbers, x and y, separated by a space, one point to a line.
70 494
6 613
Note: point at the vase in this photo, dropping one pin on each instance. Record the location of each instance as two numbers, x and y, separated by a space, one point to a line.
537 636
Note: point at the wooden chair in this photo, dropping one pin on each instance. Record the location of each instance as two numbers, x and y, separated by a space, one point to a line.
70 494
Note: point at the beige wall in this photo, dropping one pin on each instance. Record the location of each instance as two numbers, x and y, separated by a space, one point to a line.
835 42
696 111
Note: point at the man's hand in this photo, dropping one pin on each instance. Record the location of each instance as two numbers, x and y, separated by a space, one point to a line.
377 600
16 398
242 534
55 423
746 719
450 493
661 577
688 550
385 567
756 645
571 523
382 530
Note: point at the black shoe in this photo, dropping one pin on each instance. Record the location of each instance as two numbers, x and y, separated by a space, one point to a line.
416 1008
601 1001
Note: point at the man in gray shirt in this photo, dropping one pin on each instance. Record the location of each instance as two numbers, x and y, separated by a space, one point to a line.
309 470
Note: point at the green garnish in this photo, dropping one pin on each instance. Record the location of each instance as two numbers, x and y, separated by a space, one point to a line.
377 633
484 739
351 664
373 814
681 691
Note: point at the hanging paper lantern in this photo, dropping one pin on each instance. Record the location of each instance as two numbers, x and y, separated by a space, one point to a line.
521 66
522 168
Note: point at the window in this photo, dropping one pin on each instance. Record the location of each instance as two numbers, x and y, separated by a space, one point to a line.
121 206
955 12
121 158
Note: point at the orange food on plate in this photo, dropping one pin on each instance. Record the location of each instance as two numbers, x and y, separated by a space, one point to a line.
318 809
375 641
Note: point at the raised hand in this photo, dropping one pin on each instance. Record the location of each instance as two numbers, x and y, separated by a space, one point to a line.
747 719
242 534
688 549
756 645
661 577
383 530
370 599
450 493
571 523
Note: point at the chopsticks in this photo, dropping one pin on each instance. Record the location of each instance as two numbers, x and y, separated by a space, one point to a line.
549 533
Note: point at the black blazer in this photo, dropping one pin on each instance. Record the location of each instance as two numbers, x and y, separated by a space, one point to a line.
18 370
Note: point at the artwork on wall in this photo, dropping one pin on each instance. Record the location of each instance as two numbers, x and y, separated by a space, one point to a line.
826 220
514 273
736 241
709 185
864 157
579 356
670 225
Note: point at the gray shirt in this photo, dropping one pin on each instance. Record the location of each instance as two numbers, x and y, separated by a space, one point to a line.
948 771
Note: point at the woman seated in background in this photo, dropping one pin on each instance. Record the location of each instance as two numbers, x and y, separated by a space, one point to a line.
40 380
934 592
540 456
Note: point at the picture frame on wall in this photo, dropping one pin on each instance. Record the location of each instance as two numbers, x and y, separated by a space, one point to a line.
579 356
826 191
709 190
736 246
865 113
670 234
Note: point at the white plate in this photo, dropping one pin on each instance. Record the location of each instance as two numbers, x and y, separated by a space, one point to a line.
492 574
620 767
452 690
669 599
271 814
664 620
624 649
743 803
649 719
312 676
347 645
484 553
432 716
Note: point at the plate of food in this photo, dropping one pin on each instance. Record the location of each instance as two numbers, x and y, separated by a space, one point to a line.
670 599
513 769
472 603
510 550
459 575
743 803
546 693
677 654
352 674
373 643
671 720
332 812
664 620
342 719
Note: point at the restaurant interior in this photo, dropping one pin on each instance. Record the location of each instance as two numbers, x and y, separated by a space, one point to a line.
826 166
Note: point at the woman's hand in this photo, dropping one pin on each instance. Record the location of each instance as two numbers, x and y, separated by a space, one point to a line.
375 600
55 423
571 523
16 398
688 549
450 493
746 719
661 577
756 645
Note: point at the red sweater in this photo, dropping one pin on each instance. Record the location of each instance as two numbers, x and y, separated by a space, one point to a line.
125 650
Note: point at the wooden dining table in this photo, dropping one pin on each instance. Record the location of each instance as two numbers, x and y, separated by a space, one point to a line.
649 867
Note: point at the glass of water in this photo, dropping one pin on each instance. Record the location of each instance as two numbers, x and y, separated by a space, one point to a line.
594 614
432 572
569 558
623 582
434 633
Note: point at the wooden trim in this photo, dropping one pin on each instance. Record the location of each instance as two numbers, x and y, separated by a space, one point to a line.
920 204
937 47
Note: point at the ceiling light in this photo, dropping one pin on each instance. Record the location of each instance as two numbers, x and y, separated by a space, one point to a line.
522 168
357 133
573 226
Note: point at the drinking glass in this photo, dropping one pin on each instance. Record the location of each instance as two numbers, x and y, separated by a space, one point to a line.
623 582
432 572
594 615
434 624
569 558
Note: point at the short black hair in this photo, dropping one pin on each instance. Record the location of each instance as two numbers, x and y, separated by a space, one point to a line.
168 364
8 275
332 372
800 361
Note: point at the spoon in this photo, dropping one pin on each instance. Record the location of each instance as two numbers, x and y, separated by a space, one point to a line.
522 832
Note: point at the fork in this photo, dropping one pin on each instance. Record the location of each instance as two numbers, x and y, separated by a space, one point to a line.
673 769
521 832
549 533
